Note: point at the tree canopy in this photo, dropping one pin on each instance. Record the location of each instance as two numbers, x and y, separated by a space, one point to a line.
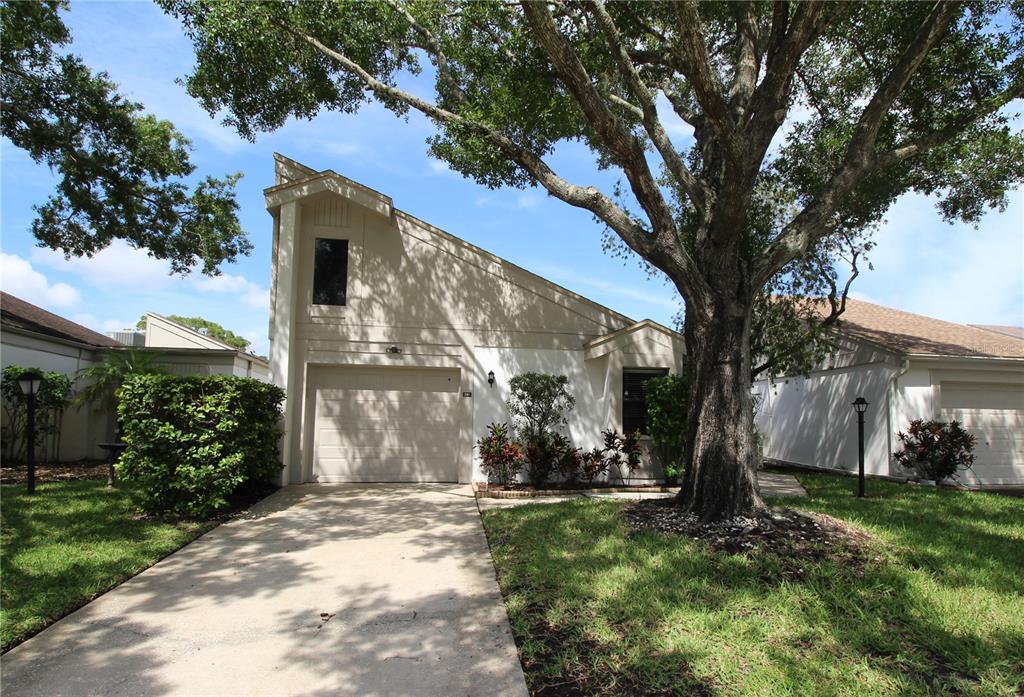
121 172
803 122
212 329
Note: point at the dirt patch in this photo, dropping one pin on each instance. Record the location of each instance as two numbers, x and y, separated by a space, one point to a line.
55 473
798 538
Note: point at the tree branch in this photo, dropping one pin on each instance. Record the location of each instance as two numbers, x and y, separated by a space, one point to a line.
860 161
649 111
590 198
694 59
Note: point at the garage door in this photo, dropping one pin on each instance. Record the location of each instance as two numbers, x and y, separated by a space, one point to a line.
995 414
385 424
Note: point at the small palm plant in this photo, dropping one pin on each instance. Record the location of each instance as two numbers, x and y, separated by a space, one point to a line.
106 378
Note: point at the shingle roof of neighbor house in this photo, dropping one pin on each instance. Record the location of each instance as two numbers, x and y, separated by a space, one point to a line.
1017 332
19 314
905 332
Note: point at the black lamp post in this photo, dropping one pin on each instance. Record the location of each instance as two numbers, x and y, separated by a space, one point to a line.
861 405
29 383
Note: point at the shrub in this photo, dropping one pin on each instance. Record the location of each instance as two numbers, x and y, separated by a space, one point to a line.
592 465
538 403
542 455
936 450
570 463
667 403
197 441
622 450
500 458
52 399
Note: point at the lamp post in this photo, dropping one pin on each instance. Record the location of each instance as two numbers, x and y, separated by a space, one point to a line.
29 383
860 405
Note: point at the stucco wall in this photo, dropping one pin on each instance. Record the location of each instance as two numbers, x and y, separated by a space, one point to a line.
83 427
809 420
413 286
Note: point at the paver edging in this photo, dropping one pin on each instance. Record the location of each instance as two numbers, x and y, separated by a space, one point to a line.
482 492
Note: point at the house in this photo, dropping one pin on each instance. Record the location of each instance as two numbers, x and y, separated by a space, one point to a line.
395 341
907 367
193 352
35 338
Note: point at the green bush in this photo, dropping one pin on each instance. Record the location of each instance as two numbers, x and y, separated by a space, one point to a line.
52 399
538 403
197 441
667 399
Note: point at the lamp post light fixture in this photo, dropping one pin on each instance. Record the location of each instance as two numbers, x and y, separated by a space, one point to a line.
29 383
860 405
490 378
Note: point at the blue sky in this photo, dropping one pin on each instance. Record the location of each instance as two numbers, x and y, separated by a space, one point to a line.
921 264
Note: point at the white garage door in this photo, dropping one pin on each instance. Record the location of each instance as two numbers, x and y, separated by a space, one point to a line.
385 424
995 414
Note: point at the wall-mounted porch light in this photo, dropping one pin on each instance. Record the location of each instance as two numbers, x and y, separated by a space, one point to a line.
490 378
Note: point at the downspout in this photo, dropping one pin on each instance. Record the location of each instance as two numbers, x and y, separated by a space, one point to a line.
890 411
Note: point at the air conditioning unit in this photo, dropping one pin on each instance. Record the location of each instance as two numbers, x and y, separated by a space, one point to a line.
129 337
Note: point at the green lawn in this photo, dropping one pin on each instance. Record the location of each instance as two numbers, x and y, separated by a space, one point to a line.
69 543
597 609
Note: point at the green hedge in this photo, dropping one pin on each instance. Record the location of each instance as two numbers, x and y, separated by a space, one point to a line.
197 441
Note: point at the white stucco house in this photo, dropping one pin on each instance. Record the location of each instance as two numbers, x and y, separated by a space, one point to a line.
395 340
908 367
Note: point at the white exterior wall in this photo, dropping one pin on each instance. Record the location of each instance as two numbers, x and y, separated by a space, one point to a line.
83 427
809 421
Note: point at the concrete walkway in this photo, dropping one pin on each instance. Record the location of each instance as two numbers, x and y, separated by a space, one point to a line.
321 590
773 485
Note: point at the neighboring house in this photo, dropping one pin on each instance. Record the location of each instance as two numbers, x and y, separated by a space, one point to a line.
34 338
908 367
192 352
385 331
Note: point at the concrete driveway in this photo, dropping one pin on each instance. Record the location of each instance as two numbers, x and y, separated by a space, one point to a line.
320 590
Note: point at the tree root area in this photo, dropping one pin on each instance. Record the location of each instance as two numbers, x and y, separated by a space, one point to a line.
800 538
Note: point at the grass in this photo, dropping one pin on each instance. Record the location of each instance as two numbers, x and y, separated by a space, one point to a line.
939 609
69 543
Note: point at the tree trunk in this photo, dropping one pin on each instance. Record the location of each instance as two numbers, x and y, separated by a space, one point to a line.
721 477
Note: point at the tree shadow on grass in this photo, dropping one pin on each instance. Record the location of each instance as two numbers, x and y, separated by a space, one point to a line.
734 623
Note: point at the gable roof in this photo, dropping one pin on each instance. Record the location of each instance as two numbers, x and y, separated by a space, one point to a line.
911 334
619 339
19 314
293 186
187 333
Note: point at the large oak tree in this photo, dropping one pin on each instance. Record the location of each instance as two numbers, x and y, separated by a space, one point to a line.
808 120
121 173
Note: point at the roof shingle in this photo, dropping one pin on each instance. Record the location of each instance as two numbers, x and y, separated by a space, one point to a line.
16 313
907 333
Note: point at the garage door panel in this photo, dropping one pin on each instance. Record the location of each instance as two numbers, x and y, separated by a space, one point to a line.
994 413
385 424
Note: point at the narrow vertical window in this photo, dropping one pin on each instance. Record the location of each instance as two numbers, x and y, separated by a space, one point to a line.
634 397
330 272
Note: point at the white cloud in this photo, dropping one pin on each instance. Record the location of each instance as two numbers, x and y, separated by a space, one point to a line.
251 294
119 265
19 278
951 272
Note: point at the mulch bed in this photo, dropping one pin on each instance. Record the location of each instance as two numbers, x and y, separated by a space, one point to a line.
796 536
55 473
